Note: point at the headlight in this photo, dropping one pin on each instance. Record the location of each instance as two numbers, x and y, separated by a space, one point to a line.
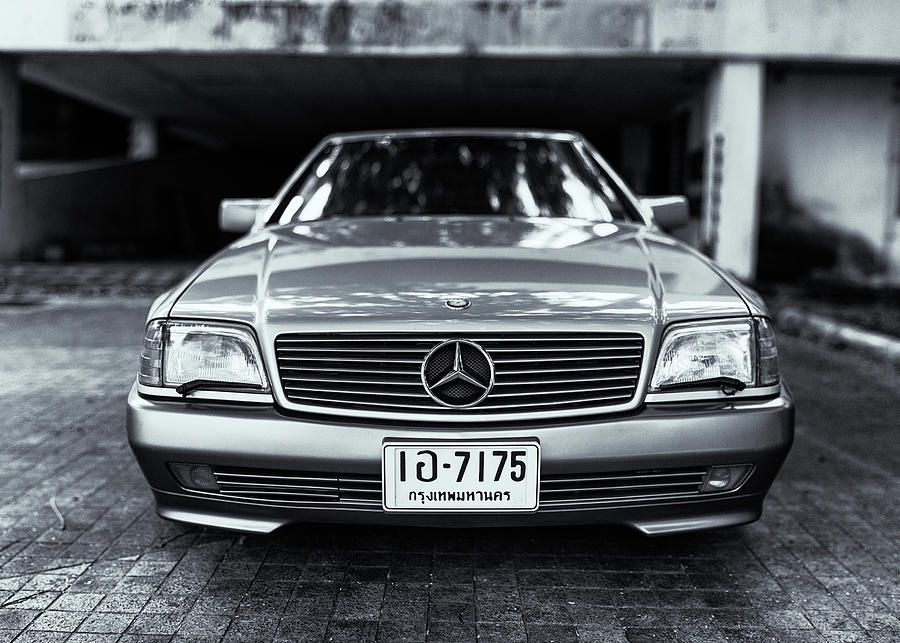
741 350
176 352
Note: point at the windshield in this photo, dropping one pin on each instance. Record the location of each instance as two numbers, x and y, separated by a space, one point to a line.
459 175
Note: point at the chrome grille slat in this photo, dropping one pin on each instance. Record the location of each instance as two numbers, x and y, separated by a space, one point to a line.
624 498
561 381
591 358
271 486
266 493
564 392
311 349
263 485
348 359
356 391
562 491
380 373
567 349
568 480
485 405
488 405
658 485
340 380
221 475
535 371
351 370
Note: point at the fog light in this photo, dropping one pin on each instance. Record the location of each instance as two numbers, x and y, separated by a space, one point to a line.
724 478
194 476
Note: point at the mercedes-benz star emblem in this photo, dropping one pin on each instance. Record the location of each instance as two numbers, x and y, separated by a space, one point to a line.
458 303
458 373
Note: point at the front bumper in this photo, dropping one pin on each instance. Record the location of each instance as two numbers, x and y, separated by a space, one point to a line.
659 436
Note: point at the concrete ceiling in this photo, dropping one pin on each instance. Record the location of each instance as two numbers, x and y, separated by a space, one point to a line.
260 100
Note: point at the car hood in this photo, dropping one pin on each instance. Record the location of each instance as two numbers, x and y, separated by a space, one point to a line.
386 274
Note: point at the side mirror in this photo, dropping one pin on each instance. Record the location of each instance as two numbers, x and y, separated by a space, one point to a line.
239 215
669 212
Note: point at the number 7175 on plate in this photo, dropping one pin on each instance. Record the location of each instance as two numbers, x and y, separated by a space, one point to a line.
460 476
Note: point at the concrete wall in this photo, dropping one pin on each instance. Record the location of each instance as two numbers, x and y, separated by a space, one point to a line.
773 29
829 140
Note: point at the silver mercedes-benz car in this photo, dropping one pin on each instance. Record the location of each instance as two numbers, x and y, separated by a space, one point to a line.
459 328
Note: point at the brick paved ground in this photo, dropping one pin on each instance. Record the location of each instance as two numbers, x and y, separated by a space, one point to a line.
821 565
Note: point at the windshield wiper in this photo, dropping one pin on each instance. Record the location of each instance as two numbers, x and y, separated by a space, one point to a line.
729 385
194 385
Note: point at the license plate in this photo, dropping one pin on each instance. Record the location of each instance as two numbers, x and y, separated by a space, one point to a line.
460 476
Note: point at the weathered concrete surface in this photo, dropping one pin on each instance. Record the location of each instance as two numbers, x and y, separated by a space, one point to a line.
826 29
734 125
822 565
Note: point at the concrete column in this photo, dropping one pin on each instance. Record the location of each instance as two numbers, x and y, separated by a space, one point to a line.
730 214
12 216
143 143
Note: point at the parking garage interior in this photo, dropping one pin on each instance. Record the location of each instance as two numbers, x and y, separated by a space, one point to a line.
118 151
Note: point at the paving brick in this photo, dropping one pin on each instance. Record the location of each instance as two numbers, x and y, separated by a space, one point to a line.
82 637
32 599
786 620
106 623
608 632
879 621
260 627
551 632
77 602
200 624
352 630
57 621
455 630
42 637
154 624
123 603
402 630
301 628
832 620
16 619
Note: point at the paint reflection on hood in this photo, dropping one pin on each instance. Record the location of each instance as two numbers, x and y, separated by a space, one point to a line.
396 271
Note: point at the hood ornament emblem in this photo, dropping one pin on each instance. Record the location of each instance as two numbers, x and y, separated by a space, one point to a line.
458 373
457 303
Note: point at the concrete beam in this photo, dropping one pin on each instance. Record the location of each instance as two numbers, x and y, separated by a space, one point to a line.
36 73
12 219
730 214
838 30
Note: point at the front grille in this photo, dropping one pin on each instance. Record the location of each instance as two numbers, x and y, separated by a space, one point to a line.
381 372
267 486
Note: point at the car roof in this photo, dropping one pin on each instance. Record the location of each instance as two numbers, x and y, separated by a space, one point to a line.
475 132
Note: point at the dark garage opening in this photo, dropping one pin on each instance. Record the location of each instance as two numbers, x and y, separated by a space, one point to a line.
236 125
